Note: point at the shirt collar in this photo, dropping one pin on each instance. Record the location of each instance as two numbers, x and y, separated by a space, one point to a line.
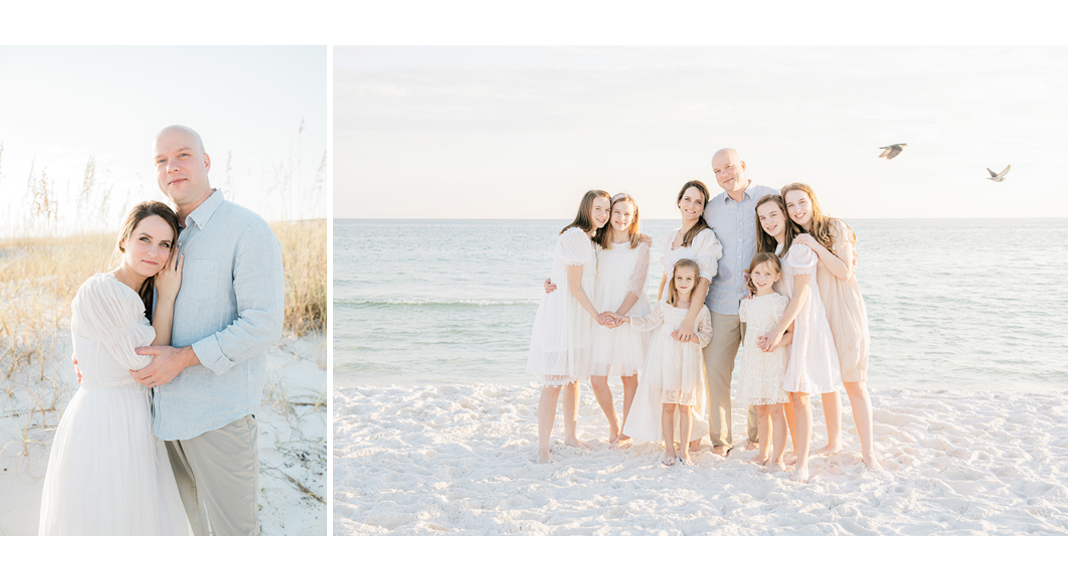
727 197
204 211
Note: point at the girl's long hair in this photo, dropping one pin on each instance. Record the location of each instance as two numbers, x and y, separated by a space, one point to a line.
672 292
766 242
582 219
821 224
604 235
758 259
701 224
138 213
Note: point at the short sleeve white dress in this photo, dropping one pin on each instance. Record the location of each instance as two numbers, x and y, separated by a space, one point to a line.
762 372
107 473
674 372
813 367
621 270
560 341
704 249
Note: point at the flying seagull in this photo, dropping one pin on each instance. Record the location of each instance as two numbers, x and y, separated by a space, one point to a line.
891 151
998 177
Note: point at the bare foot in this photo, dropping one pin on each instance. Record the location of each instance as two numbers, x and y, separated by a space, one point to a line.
575 443
685 458
750 446
722 450
828 449
800 474
872 464
776 468
790 459
668 460
622 441
613 434
544 457
761 460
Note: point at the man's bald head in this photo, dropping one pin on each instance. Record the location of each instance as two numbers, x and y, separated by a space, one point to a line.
730 171
182 168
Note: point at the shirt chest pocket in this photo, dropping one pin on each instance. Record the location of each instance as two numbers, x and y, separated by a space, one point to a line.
200 280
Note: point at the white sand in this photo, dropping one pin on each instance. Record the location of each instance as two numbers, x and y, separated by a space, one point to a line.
458 459
292 441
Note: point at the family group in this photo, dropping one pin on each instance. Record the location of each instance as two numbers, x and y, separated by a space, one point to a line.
755 267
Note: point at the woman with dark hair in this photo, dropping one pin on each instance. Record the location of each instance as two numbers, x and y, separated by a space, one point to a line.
693 240
560 341
107 473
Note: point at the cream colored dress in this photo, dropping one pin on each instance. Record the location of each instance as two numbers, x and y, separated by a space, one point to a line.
621 270
674 372
846 313
762 372
813 367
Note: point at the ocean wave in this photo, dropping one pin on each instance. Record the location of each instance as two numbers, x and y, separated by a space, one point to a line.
425 303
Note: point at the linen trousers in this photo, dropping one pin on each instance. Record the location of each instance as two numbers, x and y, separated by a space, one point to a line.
218 478
720 354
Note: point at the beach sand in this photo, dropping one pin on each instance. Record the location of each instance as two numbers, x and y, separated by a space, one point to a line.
459 460
292 442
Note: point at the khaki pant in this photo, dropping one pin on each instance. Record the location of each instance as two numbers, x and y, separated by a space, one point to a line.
727 333
218 478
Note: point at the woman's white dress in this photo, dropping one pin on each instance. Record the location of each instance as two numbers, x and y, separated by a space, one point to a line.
813 366
621 270
674 372
560 341
762 372
704 249
107 473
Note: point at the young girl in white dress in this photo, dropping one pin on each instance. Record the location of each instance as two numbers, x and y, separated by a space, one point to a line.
673 380
560 341
622 270
107 473
813 367
762 372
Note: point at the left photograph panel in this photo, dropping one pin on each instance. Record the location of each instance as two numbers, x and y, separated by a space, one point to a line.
163 276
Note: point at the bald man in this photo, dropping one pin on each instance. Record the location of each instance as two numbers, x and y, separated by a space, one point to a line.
732 214
207 386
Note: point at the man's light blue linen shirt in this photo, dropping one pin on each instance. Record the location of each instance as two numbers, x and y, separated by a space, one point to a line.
230 309
734 223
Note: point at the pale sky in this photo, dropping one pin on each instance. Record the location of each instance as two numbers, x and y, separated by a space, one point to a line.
63 104
523 132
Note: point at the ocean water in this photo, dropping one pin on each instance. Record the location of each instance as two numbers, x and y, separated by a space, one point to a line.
957 304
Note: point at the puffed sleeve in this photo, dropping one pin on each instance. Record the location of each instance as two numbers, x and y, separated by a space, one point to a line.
780 307
707 249
802 259
741 310
108 312
575 247
845 242
647 323
703 329
640 275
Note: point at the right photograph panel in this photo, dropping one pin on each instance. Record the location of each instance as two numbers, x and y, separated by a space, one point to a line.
699 291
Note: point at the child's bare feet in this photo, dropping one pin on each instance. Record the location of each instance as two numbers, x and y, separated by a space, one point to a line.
695 445
668 460
575 443
789 459
544 457
622 441
685 457
761 460
829 449
776 467
801 474
872 464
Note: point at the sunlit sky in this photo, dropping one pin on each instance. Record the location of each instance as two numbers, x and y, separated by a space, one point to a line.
522 132
62 104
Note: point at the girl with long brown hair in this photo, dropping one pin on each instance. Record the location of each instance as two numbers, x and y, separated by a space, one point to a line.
560 341
835 245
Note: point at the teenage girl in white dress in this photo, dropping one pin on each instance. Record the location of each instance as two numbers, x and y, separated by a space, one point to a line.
560 341
813 368
622 270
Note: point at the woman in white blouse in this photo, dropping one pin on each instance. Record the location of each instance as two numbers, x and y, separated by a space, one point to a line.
107 473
